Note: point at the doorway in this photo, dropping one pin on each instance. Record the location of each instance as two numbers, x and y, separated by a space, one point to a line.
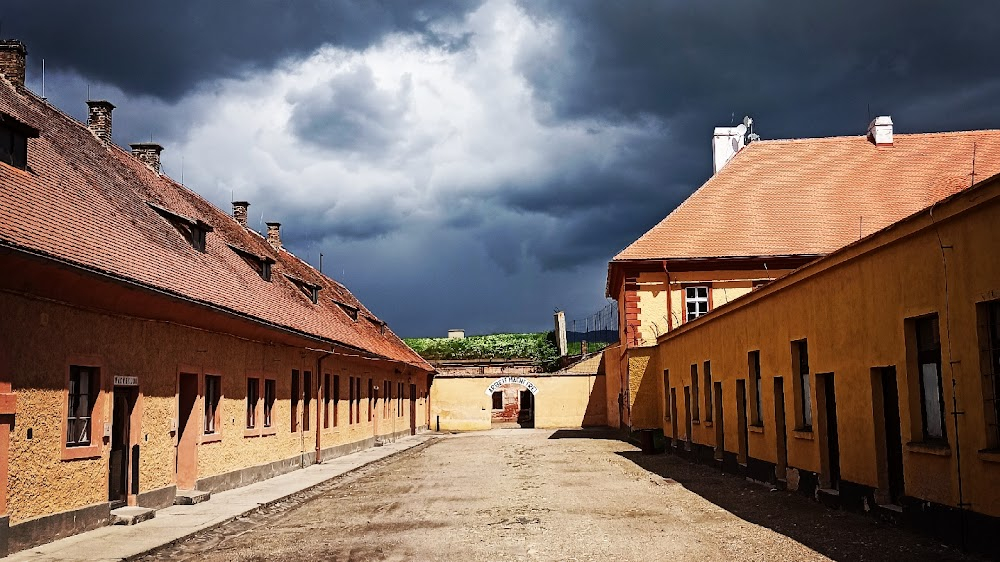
828 434
741 420
123 404
413 409
887 433
687 418
526 416
720 432
673 416
781 437
187 431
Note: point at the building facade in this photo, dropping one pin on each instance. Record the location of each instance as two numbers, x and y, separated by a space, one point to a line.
156 348
773 206
869 378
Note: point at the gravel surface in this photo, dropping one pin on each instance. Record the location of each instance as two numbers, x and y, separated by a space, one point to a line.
544 495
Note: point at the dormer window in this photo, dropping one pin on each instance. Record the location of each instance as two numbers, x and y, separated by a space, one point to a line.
260 264
14 137
193 230
308 289
351 311
378 324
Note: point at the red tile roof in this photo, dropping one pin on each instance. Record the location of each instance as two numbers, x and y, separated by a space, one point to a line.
812 196
88 203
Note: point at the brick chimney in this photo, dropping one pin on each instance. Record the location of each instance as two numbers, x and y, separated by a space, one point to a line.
240 212
148 153
880 131
274 234
12 59
99 119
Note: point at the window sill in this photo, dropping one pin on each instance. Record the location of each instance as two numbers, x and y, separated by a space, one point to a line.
696 422
268 431
254 432
708 423
929 448
77 453
756 428
805 434
211 438
989 455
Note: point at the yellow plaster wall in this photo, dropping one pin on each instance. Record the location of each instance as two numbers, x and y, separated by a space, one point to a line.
852 309
49 334
562 401
652 306
643 369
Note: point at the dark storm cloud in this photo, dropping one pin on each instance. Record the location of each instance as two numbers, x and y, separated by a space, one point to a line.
163 48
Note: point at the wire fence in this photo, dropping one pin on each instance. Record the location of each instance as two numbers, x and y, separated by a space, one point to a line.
595 332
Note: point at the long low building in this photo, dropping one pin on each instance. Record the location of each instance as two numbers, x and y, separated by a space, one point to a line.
869 377
155 348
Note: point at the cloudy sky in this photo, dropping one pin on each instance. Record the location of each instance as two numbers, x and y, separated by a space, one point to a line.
476 165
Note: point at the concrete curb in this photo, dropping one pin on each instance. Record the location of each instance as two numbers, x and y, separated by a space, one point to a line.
181 522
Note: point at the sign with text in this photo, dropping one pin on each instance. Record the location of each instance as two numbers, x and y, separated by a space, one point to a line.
511 380
125 380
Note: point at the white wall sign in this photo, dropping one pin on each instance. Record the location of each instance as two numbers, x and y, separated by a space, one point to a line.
511 380
122 380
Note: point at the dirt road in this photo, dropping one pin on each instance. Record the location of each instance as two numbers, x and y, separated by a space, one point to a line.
543 495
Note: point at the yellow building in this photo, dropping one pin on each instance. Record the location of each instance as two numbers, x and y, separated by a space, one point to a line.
869 378
479 395
770 207
155 349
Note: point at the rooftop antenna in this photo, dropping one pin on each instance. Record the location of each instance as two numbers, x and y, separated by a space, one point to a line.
43 78
869 112
182 169
973 182
321 262
88 92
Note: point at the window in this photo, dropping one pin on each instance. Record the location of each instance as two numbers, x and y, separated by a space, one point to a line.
399 399
269 394
753 363
307 399
498 400
253 396
213 387
260 264
695 413
14 137
696 301
350 310
989 343
666 394
803 400
336 399
388 399
295 401
308 289
326 401
929 367
193 230
83 387
708 390
357 399
371 393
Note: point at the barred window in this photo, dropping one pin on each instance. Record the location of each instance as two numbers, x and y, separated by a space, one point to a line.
989 338
83 383
696 301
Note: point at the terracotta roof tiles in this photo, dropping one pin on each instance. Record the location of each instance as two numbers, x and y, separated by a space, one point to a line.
87 203
812 196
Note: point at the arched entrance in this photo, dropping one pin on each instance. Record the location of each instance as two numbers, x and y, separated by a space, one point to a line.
513 402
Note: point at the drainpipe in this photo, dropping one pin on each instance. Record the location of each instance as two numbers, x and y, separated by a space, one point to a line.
670 306
319 427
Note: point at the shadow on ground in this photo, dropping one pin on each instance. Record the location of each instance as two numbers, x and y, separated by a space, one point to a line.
837 534
588 433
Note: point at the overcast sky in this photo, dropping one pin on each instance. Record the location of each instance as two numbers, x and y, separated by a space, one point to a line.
476 165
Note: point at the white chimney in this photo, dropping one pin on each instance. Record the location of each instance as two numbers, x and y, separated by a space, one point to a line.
726 142
880 131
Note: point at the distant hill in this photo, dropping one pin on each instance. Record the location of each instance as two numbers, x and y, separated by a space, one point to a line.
538 347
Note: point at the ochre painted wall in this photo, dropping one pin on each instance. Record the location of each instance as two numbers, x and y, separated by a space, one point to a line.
50 336
643 366
562 401
852 308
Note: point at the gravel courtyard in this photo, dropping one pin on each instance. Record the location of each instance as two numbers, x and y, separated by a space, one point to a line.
544 495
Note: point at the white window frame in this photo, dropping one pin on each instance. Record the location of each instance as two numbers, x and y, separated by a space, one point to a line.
691 296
